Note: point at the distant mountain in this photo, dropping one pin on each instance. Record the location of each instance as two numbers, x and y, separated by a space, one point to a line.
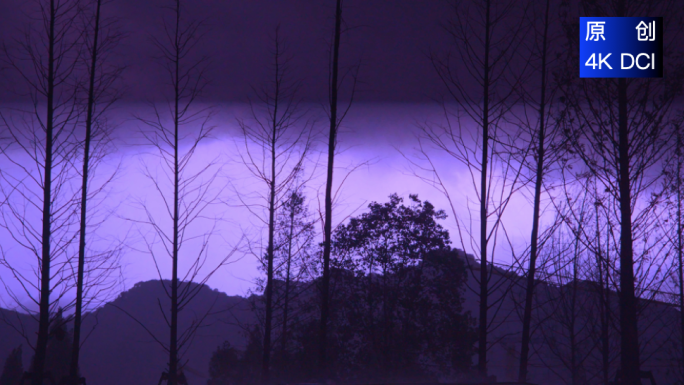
118 349
121 351
11 323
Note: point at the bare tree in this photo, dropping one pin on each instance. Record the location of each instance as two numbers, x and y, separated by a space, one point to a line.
336 116
568 328
619 127
679 149
42 149
603 281
674 185
598 233
569 333
185 188
277 141
99 40
545 147
484 42
295 268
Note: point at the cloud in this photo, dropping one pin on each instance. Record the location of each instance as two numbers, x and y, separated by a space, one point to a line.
376 133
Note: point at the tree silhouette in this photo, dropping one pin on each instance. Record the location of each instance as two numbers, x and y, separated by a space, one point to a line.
59 346
277 141
484 40
545 147
327 222
58 351
13 369
230 366
295 259
674 187
619 130
185 192
336 115
570 301
397 298
295 267
101 93
404 302
225 367
38 213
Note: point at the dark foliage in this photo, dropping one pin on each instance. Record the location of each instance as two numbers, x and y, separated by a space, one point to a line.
390 236
404 302
396 306
58 353
13 369
230 366
224 365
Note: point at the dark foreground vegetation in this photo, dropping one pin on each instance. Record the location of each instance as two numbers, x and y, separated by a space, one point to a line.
397 293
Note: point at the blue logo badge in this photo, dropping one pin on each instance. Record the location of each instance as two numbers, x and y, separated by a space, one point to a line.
621 47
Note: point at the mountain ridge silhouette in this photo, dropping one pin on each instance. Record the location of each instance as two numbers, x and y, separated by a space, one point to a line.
119 350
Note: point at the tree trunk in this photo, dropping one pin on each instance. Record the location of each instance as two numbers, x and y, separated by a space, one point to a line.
482 342
603 300
529 290
288 267
385 351
680 275
44 317
173 345
266 359
332 139
573 314
629 338
605 336
76 347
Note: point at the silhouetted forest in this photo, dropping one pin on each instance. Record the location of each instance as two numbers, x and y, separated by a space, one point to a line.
179 139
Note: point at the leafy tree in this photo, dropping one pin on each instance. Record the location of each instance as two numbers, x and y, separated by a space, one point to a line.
402 306
293 268
396 290
225 366
59 347
434 325
293 259
390 236
58 351
230 366
13 369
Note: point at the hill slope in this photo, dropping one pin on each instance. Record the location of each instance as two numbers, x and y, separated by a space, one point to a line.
121 351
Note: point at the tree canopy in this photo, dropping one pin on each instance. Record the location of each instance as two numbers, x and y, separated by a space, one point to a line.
396 303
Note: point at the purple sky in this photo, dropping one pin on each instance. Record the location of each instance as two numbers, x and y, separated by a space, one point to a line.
374 132
390 39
